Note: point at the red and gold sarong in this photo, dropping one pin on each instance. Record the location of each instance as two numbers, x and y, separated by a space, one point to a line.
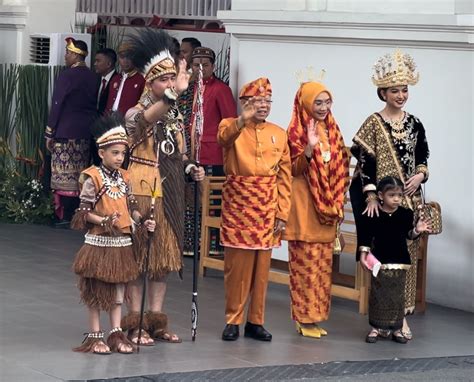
310 280
249 205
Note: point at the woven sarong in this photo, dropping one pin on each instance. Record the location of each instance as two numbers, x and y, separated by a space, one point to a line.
249 206
387 299
68 158
310 280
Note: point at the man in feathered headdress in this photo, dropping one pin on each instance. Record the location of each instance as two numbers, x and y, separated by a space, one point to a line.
158 166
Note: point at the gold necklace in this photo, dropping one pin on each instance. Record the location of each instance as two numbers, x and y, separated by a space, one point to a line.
398 127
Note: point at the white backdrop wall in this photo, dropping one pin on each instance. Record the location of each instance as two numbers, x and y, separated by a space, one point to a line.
21 18
443 100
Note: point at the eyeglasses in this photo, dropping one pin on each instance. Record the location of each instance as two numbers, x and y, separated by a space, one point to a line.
328 103
263 102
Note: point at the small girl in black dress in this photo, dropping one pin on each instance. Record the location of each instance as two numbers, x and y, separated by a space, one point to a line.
385 236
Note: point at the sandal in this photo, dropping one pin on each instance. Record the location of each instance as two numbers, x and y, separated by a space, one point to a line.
164 336
117 341
407 334
384 333
133 336
306 331
398 336
130 323
92 342
372 336
158 325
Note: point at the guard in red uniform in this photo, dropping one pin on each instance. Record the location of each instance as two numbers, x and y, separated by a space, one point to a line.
125 89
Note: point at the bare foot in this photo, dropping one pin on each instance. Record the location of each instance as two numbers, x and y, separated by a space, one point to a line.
100 347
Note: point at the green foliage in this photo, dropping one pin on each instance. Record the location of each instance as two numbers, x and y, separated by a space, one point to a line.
222 64
23 200
8 81
25 92
31 117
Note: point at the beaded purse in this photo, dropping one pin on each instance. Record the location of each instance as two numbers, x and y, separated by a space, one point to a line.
431 211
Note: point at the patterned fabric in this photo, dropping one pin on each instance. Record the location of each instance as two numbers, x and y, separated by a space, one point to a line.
310 280
328 184
68 158
387 300
260 87
410 283
380 152
185 106
248 212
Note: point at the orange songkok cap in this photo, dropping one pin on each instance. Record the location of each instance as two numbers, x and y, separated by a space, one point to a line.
73 48
261 87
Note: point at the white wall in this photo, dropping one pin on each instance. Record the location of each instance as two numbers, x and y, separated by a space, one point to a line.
442 99
373 6
20 18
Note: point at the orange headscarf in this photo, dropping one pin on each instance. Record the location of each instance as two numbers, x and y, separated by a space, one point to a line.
260 87
327 183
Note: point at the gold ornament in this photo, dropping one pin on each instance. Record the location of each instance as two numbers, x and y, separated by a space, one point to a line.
396 69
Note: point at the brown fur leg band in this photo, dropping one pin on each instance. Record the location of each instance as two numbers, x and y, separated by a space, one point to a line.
118 338
157 323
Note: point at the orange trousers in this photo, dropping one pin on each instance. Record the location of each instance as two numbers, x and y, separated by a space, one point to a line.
310 281
245 275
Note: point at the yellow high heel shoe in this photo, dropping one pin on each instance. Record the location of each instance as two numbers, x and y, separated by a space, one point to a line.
322 331
313 332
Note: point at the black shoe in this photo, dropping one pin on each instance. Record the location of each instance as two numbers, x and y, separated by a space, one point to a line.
397 336
257 332
230 333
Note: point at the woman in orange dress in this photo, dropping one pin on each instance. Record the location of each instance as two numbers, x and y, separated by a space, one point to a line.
320 168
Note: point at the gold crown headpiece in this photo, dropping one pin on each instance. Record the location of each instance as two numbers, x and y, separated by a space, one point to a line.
73 48
114 136
308 75
395 69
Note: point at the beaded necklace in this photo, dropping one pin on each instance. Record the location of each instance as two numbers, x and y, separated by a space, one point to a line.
113 183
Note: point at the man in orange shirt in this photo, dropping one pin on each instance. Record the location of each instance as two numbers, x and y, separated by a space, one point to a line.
255 206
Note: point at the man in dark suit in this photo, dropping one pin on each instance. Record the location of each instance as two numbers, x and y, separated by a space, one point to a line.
104 65
73 111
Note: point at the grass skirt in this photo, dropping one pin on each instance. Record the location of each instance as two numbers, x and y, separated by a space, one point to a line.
100 269
165 253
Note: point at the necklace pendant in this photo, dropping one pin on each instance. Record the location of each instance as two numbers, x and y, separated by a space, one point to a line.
399 135
326 156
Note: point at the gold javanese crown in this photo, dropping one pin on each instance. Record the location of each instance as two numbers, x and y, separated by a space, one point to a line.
395 69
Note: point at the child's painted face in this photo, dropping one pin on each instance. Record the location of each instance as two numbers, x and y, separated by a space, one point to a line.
391 198
113 156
